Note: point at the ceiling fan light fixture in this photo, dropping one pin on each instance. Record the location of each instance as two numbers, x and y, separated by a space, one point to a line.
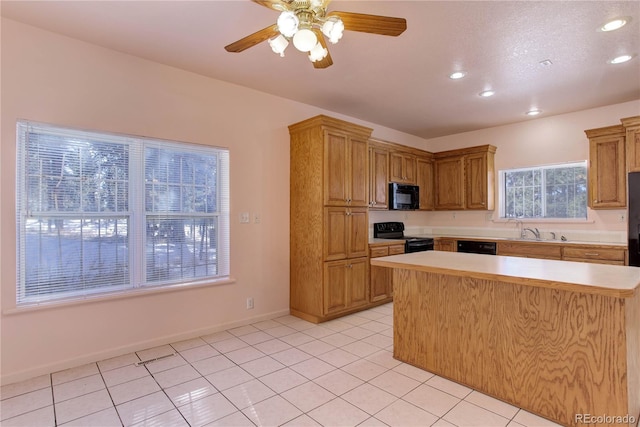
279 44
288 23
305 40
333 28
318 53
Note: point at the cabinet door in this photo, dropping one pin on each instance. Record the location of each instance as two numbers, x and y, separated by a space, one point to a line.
607 176
335 287
336 169
446 245
380 283
336 226
632 128
358 232
379 182
358 280
449 188
476 181
402 168
358 178
424 179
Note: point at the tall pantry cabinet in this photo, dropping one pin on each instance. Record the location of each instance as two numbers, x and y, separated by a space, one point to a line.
329 220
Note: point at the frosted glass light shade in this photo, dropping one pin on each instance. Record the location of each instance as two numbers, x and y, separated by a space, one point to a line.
305 40
279 44
318 53
333 28
288 23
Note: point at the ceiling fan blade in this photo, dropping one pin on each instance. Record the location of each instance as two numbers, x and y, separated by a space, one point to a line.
326 61
280 5
253 39
375 24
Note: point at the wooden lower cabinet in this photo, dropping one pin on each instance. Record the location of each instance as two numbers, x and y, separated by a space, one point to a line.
596 254
448 245
345 284
381 278
530 250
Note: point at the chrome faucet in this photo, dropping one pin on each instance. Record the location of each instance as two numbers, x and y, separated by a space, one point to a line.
535 232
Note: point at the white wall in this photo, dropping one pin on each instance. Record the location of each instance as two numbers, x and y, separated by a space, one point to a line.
54 79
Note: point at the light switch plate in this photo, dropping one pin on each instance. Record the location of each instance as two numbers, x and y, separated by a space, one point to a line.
244 217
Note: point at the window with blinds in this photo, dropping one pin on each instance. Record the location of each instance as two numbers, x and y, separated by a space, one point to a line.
552 191
101 213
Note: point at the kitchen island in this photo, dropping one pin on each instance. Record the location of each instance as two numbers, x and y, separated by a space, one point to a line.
560 339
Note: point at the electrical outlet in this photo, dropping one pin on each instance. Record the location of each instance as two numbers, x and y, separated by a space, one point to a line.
249 303
621 217
256 218
244 217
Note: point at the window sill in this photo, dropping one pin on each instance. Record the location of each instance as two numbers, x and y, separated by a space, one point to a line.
130 293
543 220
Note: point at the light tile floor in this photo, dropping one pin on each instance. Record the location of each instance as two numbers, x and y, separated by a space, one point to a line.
283 371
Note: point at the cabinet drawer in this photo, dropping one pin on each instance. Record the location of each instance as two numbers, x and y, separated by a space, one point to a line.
396 249
610 254
378 252
534 250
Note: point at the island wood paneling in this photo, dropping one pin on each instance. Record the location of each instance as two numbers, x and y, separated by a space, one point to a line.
553 352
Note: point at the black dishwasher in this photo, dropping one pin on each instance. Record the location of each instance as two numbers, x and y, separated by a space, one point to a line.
476 247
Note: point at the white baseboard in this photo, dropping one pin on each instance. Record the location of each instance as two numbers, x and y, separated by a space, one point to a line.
130 348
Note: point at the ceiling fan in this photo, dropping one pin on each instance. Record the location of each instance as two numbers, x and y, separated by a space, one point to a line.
306 23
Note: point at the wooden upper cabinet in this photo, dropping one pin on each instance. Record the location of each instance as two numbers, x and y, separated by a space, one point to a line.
424 180
346 170
479 181
402 167
379 178
449 183
607 168
465 178
632 130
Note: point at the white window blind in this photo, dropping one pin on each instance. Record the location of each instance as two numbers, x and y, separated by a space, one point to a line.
101 213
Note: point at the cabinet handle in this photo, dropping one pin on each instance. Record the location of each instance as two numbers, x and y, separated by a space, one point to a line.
348 213
591 254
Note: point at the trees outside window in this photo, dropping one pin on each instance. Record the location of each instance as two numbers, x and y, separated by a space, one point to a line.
99 213
558 191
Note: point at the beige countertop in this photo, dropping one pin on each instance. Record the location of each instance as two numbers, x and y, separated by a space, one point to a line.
601 279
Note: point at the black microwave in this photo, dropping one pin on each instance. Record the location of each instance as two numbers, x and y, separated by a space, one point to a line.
403 196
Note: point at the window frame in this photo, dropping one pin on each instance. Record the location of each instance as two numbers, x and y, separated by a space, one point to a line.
136 215
502 197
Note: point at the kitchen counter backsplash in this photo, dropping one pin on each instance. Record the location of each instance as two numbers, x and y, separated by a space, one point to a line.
577 236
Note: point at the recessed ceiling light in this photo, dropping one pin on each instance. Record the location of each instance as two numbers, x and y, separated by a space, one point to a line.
457 75
533 112
545 62
615 24
620 59
487 93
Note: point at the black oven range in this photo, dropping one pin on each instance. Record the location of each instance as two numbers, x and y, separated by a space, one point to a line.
395 230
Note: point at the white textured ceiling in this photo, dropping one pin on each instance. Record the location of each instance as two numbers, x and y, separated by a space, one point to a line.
402 82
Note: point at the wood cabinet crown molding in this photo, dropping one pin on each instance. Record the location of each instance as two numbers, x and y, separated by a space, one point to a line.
617 130
326 121
468 150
